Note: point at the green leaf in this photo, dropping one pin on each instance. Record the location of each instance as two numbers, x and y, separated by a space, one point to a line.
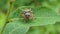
57 25
42 16
2 21
36 30
53 4
15 28
50 29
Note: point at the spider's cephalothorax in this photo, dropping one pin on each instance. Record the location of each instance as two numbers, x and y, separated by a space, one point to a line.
27 14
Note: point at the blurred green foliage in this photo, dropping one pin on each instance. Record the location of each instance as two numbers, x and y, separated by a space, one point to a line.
46 13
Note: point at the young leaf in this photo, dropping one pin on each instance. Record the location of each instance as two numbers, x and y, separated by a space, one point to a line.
15 28
42 16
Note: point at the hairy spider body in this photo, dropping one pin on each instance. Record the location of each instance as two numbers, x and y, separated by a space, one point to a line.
27 14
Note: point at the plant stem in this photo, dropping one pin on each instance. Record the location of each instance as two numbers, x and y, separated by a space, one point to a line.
10 7
8 12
